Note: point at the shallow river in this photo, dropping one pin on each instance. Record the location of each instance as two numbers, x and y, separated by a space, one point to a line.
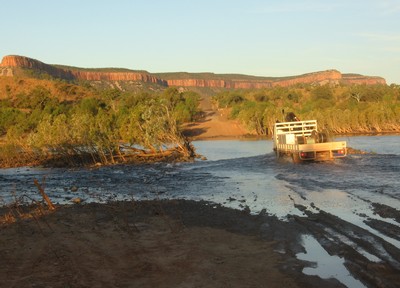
238 174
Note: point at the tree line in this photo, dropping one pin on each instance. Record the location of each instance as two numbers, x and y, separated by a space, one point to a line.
104 127
339 109
77 124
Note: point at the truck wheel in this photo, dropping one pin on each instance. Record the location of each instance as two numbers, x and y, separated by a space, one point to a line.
276 153
296 158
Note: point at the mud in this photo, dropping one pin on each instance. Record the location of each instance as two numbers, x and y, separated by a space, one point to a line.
369 258
179 243
150 244
386 211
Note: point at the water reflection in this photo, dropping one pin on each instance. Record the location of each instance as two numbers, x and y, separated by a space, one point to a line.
230 149
326 266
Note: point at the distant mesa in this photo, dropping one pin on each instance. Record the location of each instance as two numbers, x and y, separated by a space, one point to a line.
211 80
72 73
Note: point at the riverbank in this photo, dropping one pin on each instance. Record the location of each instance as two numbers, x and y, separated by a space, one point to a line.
169 243
148 244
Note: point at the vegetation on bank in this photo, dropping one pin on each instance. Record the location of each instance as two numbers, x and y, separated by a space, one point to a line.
339 109
67 124
53 121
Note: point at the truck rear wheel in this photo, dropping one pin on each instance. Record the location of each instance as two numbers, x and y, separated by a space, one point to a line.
296 158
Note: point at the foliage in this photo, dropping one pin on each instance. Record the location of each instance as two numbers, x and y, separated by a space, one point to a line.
42 119
35 123
340 108
229 98
8 118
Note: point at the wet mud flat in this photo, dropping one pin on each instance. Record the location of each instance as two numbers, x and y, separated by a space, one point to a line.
372 260
185 243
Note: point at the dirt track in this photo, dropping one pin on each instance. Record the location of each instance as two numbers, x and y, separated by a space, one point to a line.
214 124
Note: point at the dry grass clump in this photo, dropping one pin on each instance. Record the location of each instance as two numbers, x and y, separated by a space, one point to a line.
24 207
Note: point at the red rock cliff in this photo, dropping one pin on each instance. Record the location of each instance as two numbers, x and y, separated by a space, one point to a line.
323 77
188 80
29 63
116 76
219 83
329 76
317 77
360 79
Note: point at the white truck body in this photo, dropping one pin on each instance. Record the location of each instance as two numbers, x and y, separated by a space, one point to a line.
302 141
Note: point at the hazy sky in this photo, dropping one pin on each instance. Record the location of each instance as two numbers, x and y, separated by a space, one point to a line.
255 37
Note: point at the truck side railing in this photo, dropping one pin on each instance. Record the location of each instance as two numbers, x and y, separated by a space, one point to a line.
303 128
288 132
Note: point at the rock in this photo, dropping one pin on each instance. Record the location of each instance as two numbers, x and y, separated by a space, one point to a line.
72 74
186 79
263 212
77 200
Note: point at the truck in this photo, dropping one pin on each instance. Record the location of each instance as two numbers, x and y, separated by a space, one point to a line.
302 141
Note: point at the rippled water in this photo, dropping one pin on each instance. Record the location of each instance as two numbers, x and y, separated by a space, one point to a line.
237 174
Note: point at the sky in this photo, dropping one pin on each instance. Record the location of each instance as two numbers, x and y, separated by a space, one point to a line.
254 37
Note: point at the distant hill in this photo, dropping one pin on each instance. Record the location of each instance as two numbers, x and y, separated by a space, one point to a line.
15 65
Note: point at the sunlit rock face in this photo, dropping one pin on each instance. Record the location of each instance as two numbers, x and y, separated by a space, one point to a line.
360 79
323 77
213 80
29 63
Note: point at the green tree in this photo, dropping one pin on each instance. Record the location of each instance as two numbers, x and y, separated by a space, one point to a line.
323 92
90 106
8 118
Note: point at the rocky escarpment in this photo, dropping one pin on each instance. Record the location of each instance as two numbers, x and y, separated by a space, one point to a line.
13 61
6 71
117 76
246 82
219 83
323 77
211 80
360 79
69 73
